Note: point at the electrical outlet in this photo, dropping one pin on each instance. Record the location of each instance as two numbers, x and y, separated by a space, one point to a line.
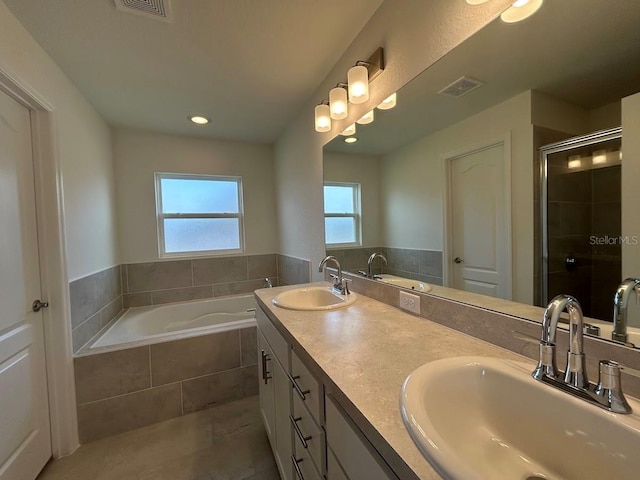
410 302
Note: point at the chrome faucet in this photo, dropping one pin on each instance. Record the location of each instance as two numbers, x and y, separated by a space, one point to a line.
339 284
607 393
370 262
620 308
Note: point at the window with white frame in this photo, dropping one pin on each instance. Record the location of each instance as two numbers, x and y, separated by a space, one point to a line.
342 213
199 214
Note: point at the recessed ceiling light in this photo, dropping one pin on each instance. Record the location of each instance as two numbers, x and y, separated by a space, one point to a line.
199 119
521 9
351 140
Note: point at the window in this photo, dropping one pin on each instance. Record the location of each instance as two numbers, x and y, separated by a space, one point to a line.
199 214
341 213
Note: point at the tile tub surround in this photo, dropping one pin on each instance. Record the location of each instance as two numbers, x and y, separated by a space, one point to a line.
95 301
292 271
130 388
422 265
157 283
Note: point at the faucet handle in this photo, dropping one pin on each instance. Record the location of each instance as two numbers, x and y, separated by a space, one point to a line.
609 387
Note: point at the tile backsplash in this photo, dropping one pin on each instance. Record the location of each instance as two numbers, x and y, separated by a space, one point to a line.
422 265
97 299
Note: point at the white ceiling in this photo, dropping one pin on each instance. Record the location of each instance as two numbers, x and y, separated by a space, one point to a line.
248 64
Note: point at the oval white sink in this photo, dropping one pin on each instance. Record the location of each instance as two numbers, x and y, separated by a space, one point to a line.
484 418
405 283
313 298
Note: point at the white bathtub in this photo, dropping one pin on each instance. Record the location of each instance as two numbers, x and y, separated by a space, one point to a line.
154 324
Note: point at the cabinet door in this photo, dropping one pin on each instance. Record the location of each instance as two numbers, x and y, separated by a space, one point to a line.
266 364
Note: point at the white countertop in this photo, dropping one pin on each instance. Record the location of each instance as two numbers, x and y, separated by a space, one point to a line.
366 351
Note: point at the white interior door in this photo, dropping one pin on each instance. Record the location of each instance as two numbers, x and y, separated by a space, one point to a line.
480 237
25 438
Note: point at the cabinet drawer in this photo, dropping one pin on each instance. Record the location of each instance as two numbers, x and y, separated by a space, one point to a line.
303 466
309 435
277 343
307 389
353 451
334 470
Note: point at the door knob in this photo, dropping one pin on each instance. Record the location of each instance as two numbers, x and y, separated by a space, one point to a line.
37 305
458 260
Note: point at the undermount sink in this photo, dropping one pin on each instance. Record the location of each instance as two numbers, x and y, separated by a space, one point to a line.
484 418
405 283
313 298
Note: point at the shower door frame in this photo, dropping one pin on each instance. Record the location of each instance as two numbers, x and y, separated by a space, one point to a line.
546 150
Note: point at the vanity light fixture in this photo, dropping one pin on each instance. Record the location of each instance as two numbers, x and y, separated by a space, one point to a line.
520 10
575 161
599 157
322 117
366 118
350 130
388 103
199 119
351 140
338 102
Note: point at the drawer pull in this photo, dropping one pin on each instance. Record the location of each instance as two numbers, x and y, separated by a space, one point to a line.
303 439
265 373
302 394
295 462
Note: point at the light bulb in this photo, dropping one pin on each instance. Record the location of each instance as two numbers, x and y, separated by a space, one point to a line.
476 2
350 140
575 161
338 103
388 103
366 118
322 118
199 119
520 9
350 130
358 79
599 157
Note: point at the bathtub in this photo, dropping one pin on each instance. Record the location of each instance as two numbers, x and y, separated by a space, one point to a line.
161 323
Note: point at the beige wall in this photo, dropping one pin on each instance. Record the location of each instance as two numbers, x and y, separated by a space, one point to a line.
83 144
139 154
414 34
365 170
413 181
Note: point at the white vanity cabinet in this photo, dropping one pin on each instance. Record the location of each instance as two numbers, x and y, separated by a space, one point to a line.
275 393
311 436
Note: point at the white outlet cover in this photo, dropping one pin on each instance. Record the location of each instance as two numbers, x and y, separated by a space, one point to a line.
410 302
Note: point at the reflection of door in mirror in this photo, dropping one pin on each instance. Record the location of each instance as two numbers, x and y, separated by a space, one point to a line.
478 237
581 221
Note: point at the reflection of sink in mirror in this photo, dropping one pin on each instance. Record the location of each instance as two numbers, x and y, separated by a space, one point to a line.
404 282
480 418
399 161
313 298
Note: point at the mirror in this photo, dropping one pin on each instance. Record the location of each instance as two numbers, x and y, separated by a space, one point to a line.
451 185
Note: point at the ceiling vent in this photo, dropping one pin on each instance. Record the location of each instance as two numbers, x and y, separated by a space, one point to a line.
461 87
156 9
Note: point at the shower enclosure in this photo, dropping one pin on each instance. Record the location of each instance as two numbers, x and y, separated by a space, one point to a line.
581 220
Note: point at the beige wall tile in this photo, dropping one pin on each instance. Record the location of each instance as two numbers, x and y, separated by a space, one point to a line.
181 294
113 373
204 392
127 412
236 288
137 299
145 277
249 345
207 271
193 357
262 266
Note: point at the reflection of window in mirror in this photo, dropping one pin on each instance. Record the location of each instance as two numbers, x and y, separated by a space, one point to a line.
342 214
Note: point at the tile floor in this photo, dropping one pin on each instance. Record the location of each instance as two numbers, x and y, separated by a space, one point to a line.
227 442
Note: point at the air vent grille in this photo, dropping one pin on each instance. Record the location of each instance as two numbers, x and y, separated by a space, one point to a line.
461 87
157 9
